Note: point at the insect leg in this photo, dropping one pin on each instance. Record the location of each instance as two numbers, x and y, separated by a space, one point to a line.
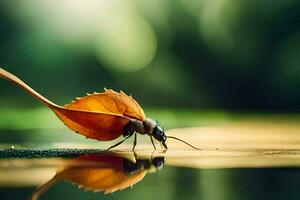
134 141
113 146
135 156
152 142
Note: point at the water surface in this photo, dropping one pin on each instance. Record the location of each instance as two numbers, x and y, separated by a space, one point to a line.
248 159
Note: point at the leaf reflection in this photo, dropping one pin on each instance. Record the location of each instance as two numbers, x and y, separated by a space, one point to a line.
103 172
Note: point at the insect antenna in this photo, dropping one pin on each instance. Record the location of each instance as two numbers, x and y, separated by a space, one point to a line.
175 138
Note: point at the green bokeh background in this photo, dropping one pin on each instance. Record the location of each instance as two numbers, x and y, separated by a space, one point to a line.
188 63
224 54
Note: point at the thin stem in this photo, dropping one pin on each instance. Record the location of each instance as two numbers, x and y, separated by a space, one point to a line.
43 188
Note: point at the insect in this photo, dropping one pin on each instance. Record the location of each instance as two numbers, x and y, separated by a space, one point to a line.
103 172
102 116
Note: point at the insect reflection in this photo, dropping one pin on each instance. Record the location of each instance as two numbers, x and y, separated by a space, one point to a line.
103 172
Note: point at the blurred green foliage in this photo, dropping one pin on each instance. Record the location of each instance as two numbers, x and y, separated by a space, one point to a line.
40 128
202 53
208 54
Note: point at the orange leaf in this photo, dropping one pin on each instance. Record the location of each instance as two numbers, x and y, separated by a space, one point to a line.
99 126
109 102
100 116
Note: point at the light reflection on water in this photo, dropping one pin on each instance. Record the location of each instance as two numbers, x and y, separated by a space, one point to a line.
92 170
185 175
236 162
